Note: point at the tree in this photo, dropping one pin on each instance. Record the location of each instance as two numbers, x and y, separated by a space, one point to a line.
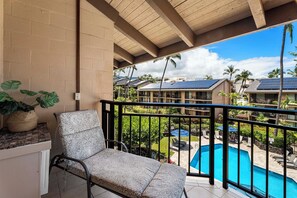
208 77
132 68
230 71
293 72
274 73
261 118
147 77
244 76
167 59
287 28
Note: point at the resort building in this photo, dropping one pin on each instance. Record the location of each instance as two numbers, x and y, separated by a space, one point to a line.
64 52
121 84
264 93
191 92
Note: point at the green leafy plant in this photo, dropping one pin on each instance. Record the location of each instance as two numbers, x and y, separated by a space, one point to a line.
9 105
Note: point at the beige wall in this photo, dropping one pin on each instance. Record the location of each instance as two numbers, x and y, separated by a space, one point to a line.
1 47
40 51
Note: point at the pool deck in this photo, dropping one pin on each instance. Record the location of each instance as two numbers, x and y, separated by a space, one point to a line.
259 157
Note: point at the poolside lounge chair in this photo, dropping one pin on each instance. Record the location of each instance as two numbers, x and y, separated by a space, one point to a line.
217 135
204 134
292 165
176 143
240 139
128 175
289 159
277 156
249 143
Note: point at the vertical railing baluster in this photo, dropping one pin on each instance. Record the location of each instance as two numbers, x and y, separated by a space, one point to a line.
150 149
120 125
159 139
225 147
111 126
285 163
130 149
139 135
252 157
211 146
104 120
178 160
169 128
189 161
200 132
267 160
238 153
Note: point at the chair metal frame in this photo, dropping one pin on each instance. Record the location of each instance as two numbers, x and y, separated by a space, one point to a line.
57 160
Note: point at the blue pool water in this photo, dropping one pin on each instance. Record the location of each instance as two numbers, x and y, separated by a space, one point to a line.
275 179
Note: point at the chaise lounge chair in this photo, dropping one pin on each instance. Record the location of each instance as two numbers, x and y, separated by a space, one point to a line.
278 156
249 142
290 159
292 165
127 175
218 136
204 134
176 143
240 139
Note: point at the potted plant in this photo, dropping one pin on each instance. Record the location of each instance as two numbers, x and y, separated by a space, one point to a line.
21 113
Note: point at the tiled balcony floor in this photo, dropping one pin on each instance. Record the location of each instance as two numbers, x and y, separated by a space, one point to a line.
75 187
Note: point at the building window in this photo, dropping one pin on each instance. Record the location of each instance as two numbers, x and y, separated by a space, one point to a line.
269 98
253 98
188 94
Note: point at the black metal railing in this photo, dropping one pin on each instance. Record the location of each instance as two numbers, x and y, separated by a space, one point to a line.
142 130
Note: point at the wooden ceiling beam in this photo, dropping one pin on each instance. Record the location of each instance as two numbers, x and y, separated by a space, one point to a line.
165 10
258 12
276 16
116 63
124 27
123 54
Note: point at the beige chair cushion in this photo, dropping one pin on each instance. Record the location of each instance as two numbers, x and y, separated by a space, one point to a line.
134 176
81 134
121 172
169 182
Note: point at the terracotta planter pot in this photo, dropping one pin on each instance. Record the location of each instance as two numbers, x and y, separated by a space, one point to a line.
22 121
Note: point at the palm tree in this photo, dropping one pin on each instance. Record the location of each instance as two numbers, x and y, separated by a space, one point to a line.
147 77
133 68
208 77
244 76
287 28
167 59
274 73
230 71
293 72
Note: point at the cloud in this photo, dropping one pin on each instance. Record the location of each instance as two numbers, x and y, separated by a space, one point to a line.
197 63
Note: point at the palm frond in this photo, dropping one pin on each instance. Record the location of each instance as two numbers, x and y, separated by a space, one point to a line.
173 62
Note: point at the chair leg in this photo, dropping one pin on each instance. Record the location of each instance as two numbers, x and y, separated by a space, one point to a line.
185 192
52 164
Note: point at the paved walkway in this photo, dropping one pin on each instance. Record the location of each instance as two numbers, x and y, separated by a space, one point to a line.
259 157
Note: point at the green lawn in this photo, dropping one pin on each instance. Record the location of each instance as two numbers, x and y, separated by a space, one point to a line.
164 144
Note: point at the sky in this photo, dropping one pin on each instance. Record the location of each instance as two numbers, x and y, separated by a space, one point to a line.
257 52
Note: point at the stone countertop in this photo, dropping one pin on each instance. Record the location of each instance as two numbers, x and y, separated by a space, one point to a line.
10 140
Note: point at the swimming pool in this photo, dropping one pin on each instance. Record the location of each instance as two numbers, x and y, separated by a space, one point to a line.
275 179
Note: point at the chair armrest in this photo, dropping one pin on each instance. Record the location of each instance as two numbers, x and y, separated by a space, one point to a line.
122 143
88 176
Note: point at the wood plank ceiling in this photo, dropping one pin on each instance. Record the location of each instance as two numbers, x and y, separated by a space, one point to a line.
147 29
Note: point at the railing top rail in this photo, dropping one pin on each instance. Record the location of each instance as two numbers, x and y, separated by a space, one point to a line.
244 108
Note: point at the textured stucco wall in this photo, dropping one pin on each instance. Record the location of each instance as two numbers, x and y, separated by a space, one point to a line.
40 51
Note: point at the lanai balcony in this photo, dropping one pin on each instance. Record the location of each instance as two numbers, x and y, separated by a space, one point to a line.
73 46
